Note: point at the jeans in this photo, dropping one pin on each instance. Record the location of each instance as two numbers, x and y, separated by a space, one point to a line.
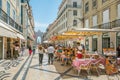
40 58
50 58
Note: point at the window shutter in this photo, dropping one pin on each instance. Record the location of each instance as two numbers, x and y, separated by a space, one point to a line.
95 20
86 23
106 16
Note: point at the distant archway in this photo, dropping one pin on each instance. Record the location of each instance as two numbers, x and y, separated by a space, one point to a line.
38 40
39 35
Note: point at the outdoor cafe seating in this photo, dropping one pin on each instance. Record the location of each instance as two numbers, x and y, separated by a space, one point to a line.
93 62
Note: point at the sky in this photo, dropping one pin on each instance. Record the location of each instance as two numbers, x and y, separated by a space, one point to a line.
44 12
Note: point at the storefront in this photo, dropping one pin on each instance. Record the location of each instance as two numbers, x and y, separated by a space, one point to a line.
9 49
1 48
94 43
106 40
87 44
117 39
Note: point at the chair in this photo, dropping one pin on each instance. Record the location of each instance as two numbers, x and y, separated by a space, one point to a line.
95 65
85 67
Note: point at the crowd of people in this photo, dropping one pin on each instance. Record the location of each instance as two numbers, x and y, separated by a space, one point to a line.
66 55
60 53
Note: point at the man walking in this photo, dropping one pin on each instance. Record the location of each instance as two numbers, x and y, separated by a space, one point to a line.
50 50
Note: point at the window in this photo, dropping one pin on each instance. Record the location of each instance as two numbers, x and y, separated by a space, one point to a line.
74 22
18 1
104 1
106 42
75 12
14 15
75 4
118 11
86 23
94 3
95 20
86 7
8 8
106 16
0 3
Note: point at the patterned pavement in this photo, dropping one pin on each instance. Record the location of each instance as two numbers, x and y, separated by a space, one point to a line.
27 68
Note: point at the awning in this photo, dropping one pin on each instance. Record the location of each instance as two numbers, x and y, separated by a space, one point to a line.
29 38
7 33
20 36
82 32
87 31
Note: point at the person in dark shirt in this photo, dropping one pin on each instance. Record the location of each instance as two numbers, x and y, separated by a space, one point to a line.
118 51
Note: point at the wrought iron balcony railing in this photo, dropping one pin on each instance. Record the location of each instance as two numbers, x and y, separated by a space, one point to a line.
7 19
109 25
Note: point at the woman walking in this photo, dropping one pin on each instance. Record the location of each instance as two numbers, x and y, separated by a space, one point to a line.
41 52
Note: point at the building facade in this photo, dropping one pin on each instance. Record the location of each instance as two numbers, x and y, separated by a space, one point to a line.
28 23
11 27
102 14
98 14
68 16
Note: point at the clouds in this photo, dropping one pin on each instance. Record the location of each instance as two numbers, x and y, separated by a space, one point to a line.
41 26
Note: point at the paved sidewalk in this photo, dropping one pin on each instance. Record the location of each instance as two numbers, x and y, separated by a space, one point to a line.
11 66
44 72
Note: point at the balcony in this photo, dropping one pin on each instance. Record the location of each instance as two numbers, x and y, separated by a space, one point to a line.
109 25
7 19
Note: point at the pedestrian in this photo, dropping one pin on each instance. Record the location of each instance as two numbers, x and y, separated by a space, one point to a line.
30 51
50 50
22 50
16 51
118 51
33 50
41 52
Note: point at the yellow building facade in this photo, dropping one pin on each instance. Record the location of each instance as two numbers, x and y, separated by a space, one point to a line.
102 14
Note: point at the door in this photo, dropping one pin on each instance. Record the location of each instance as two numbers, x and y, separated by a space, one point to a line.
106 42
8 48
1 47
94 45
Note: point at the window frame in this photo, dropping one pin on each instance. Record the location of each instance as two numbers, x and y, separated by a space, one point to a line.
86 7
8 8
74 22
0 3
118 15
74 4
75 13
94 1
103 1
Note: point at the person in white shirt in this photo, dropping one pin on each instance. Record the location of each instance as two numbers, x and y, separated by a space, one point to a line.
50 50
41 51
